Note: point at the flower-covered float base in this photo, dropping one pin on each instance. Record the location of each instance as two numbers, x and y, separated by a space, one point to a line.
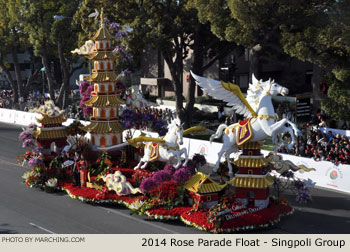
242 220
168 200
165 196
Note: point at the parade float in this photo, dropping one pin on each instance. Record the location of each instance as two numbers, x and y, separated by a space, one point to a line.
171 188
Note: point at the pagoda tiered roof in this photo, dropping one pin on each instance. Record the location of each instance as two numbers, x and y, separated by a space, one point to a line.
104 101
102 55
103 127
50 133
252 145
102 33
102 77
46 119
250 162
201 183
252 182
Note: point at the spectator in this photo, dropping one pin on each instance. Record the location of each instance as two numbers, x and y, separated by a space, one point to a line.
329 137
220 112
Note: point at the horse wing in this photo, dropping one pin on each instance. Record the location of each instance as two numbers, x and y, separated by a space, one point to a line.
227 92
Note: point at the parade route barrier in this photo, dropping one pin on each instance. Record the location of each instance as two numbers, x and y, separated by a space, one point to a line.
335 131
26 118
327 174
7 115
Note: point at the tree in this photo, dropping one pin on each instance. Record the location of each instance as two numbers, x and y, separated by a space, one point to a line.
53 38
322 37
166 26
64 35
173 29
37 20
170 27
12 37
315 31
252 24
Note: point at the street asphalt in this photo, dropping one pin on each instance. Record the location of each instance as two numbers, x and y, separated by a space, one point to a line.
26 210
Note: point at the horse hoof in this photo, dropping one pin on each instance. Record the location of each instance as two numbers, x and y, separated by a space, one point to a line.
136 168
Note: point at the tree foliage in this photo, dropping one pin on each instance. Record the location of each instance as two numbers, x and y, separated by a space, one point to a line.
316 31
172 28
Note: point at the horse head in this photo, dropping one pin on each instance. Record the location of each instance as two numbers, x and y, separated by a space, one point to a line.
270 87
177 127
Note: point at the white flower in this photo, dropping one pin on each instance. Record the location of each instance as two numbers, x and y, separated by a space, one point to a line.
137 204
26 175
52 182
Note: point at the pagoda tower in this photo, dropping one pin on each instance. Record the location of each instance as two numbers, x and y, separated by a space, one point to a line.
51 134
105 127
252 181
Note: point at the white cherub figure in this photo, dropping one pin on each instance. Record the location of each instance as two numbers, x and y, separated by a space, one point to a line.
118 183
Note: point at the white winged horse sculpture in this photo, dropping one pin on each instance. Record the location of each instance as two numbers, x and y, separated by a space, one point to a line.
166 148
257 107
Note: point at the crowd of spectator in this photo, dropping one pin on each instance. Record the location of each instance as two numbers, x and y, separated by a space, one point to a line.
75 112
317 145
5 98
148 119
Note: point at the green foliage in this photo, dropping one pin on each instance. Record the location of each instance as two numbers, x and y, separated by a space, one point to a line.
103 164
337 104
75 128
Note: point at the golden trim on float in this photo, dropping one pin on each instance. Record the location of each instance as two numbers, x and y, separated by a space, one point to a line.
252 145
50 119
50 134
104 101
103 127
102 77
251 182
237 91
201 183
250 162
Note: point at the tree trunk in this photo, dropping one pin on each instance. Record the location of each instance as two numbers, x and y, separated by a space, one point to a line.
197 68
63 96
30 80
46 64
20 87
317 96
176 71
12 83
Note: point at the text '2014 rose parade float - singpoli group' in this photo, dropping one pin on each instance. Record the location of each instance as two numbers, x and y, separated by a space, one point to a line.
244 242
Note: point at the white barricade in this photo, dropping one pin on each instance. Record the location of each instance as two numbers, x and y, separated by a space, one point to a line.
7 115
327 174
25 118
335 131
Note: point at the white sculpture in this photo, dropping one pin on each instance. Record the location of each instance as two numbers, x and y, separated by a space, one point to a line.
166 148
117 182
257 107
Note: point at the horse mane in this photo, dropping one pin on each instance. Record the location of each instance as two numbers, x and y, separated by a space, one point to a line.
254 92
174 122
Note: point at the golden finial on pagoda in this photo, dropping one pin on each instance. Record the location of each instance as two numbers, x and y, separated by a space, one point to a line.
102 18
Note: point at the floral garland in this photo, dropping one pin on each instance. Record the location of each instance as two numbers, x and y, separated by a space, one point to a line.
196 220
166 214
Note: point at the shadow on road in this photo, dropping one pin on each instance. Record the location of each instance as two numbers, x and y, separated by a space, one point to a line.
3 230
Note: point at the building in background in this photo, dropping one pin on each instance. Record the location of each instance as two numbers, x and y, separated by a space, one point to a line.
289 72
